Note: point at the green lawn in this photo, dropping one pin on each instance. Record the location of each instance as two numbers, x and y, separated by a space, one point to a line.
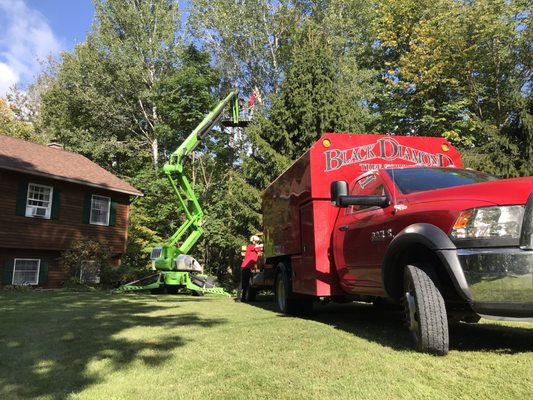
56 345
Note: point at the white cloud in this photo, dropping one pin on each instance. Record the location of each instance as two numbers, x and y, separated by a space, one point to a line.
25 38
8 78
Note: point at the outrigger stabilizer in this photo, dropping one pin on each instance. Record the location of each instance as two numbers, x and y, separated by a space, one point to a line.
175 269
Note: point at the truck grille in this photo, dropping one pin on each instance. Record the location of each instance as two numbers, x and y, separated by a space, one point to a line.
526 237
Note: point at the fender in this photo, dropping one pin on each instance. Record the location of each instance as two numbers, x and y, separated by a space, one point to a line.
434 239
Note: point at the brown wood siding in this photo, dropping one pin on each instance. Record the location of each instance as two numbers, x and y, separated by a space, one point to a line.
56 273
47 234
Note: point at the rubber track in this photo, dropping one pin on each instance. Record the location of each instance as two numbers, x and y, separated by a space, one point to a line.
431 313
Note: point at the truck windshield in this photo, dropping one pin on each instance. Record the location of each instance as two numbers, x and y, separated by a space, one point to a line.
412 180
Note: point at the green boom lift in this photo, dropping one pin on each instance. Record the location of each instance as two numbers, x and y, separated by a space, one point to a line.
176 269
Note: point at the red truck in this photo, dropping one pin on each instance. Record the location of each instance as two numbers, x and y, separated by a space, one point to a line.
390 218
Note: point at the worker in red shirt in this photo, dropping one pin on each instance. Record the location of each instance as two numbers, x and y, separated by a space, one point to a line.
248 263
251 104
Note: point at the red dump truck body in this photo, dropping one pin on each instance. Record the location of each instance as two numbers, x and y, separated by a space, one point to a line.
298 217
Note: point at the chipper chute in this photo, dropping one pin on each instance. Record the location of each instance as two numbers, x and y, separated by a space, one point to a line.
175 268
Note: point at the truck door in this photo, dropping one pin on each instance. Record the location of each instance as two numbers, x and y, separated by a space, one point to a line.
361 236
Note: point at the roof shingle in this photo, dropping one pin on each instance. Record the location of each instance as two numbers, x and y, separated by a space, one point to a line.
36 159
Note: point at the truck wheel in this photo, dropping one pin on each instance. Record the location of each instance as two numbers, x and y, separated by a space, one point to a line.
425 312
286 301
282 290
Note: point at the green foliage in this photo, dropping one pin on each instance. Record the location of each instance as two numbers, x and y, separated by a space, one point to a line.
10 125
103 100
85 250
185 96
248 39
460 70
421 58
232 214
141 241
316 96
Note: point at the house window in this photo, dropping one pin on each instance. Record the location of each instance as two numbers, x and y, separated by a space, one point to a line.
100 207
26 272
90 272
39 201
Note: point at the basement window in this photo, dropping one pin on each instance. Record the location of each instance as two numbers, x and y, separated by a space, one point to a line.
100 207
26 271
39 201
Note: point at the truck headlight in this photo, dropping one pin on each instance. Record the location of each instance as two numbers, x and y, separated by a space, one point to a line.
489 222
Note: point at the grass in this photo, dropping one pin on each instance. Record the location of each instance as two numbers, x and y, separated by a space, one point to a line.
57 345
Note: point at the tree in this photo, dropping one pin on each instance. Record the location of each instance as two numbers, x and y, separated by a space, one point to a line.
247 39
185 96
11 126
457 69
422 69
106 90
319 94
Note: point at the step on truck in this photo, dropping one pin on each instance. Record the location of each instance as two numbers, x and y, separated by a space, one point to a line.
381 218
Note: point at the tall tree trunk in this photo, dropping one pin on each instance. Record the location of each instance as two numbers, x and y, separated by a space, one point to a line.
155 153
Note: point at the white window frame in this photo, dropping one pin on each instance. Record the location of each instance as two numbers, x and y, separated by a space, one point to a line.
108 210
27 259
30 208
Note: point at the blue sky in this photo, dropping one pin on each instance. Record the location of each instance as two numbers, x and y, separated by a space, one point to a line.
31 30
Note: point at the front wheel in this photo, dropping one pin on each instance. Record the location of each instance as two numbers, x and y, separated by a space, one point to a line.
425 312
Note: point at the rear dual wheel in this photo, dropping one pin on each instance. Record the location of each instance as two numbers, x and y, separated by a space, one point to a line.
425 311
282 290
288 302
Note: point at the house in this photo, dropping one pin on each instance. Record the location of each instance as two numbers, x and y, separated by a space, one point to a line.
50 197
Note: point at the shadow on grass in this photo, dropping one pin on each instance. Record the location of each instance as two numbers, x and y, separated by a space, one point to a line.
383 325
48 340
492 338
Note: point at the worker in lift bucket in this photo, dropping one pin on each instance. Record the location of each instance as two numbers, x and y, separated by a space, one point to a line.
248 264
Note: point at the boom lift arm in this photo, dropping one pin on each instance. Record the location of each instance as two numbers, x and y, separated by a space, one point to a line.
191 230
175 268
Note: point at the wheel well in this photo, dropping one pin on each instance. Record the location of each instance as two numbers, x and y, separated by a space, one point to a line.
419 254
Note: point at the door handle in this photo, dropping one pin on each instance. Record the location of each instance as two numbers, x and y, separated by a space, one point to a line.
343 228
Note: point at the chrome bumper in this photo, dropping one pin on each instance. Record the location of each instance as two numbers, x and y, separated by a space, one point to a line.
500 281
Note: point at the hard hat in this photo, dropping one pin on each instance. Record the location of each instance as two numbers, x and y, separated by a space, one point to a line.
254 239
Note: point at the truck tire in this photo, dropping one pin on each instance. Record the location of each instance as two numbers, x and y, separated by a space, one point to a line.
286 301
282 290
425 312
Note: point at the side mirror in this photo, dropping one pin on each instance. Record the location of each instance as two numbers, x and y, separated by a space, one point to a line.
340 197
338 189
